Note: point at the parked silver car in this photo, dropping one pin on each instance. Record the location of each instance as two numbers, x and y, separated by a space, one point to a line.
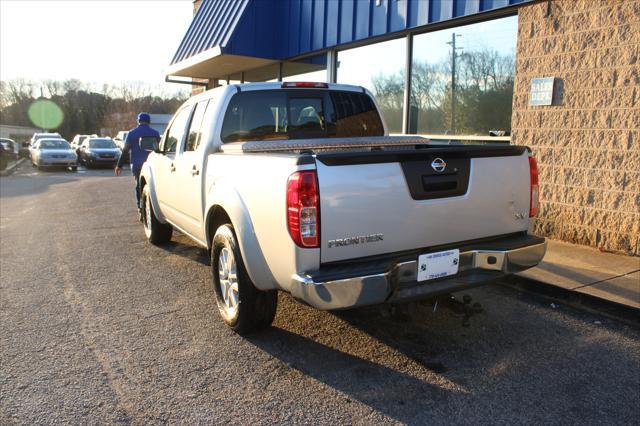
53 153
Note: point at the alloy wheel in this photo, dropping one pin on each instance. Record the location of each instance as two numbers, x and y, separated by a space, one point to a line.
227 274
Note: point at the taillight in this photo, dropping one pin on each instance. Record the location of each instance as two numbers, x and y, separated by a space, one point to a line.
303 209
307 84
534 200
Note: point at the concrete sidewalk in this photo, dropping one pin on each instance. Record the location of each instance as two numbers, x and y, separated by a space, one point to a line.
608 276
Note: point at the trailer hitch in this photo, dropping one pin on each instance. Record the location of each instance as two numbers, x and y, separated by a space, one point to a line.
465 309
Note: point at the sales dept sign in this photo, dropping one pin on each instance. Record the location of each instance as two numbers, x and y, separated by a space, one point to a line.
541 91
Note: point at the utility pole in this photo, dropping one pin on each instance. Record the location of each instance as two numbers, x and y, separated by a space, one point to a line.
42 109
454 55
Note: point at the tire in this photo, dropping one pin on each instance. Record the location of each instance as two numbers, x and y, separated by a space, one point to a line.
156 232
74 168
242 306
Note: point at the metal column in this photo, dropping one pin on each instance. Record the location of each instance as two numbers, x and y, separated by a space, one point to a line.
407 84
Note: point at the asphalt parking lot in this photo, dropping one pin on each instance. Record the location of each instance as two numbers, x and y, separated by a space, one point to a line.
99 326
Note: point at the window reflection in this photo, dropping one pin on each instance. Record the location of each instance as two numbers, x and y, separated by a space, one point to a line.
313 68
379 68
478 97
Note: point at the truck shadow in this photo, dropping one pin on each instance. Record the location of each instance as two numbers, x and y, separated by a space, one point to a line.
183 246
410 367
386 389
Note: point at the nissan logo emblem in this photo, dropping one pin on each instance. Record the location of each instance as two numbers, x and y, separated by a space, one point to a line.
438 165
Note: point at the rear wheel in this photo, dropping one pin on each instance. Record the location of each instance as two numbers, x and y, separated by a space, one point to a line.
242 306
156 232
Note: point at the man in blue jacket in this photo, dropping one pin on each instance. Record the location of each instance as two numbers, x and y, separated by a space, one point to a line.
137 155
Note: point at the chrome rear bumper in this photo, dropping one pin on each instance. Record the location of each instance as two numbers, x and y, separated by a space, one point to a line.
400 282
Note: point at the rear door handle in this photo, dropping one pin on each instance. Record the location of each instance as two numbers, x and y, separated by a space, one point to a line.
172 168
194 171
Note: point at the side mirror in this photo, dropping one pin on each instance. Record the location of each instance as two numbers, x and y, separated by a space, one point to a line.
148 143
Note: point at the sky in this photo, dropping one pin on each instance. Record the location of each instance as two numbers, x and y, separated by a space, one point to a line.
95 41
115 41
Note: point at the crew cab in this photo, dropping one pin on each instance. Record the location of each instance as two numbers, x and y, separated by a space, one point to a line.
298 187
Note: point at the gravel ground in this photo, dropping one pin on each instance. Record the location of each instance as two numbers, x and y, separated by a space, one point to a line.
99 326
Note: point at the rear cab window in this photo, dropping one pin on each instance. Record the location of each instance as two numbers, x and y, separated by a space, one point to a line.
299 114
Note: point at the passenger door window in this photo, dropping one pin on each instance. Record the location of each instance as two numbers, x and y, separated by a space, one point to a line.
176 132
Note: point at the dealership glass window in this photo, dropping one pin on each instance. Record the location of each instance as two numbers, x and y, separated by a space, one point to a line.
479 100
313 68
380 68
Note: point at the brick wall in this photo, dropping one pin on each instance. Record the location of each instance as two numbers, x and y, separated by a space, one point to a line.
588 145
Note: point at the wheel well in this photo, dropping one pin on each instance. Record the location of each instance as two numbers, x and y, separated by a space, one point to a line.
217 216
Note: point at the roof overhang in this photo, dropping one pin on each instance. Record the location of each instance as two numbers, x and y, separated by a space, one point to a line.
212 63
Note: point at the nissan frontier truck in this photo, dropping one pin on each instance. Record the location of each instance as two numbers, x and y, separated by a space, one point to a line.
298 187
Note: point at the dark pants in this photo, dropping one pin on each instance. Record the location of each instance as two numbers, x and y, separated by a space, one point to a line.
136 175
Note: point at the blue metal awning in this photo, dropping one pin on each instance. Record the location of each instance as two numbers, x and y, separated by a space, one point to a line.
211 27
228 36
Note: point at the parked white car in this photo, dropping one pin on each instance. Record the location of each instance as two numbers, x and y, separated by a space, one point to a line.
119 140
78 139
37 136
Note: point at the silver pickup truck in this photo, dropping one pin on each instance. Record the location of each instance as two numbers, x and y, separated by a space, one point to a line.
297 187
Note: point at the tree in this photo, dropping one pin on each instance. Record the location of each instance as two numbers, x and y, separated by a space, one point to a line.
87 108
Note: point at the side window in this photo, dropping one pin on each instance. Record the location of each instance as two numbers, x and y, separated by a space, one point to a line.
210 121
177 130
195 130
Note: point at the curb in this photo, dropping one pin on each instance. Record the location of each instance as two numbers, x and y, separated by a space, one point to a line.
11 168
582 301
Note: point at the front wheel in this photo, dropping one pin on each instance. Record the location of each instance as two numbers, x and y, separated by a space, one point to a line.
242 306
156 232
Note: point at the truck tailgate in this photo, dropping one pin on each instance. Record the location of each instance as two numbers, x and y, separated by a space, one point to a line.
391 201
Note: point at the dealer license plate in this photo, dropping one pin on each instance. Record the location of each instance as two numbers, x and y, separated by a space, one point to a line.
438 265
